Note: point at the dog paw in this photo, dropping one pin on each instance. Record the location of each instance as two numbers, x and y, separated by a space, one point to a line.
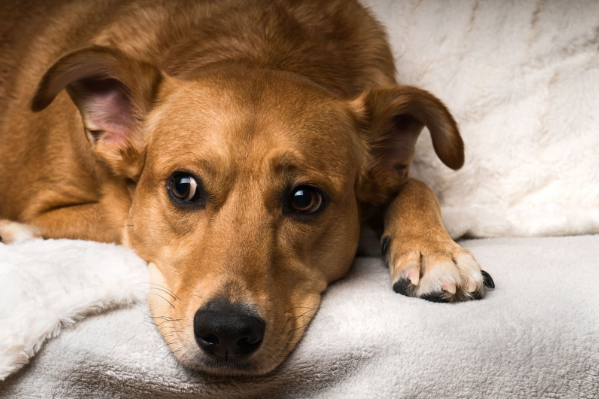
438 271
11 232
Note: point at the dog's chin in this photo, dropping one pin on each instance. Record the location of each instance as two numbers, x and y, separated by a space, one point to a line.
222 367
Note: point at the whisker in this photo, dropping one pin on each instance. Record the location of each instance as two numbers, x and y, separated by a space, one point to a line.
167 301
303 314
300 327
162 317
168 344
165 291
167 321
161 288
171 333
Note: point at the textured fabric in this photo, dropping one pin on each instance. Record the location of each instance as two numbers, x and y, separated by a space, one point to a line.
48 285
521 78
535 336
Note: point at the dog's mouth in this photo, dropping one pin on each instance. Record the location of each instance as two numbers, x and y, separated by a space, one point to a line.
224 366
243 352
263 361
226 334
228 367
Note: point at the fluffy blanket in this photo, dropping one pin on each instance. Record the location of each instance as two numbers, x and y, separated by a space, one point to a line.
535 336
521 78
48 285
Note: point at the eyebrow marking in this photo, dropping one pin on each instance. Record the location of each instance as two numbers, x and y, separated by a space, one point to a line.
284 164
295 171
207 165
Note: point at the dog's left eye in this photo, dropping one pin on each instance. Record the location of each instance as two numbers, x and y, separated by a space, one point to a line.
184 187
306 199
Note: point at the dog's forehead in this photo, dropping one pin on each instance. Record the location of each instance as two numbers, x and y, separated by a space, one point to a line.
253 117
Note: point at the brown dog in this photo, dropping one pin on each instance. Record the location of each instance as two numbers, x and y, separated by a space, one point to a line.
237 146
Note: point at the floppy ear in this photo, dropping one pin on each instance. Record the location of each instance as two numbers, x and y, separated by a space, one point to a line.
113 94
391 120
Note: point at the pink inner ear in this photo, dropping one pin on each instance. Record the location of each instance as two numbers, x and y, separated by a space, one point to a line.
106 109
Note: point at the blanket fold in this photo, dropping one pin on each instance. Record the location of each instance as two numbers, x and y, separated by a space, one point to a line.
535 336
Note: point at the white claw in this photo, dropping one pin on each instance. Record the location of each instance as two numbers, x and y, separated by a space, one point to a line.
471 285
449 286
414 276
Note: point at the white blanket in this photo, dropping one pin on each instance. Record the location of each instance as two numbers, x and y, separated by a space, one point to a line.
48 285
535 336
522 80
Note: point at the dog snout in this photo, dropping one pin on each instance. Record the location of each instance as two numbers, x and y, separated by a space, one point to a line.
227 331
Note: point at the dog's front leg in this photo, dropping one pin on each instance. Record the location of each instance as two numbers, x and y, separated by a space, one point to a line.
423 259
81 222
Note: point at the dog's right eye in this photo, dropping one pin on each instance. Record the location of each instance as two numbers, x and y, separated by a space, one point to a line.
306 200
184 187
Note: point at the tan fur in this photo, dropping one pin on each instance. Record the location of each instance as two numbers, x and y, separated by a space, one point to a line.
425 247
252 97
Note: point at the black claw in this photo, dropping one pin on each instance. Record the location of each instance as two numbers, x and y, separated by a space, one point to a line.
488 280
385 245
476 295
403 286
435 297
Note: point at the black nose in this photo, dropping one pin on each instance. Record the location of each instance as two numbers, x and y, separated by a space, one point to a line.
227 331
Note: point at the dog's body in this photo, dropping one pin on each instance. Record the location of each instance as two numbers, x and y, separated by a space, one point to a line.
283 118
63 167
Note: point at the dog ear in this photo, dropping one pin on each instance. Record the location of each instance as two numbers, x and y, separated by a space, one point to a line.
113 93
391 120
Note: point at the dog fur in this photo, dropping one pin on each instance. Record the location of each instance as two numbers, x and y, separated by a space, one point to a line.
102 101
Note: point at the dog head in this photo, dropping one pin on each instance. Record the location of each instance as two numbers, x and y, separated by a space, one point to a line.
246 190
